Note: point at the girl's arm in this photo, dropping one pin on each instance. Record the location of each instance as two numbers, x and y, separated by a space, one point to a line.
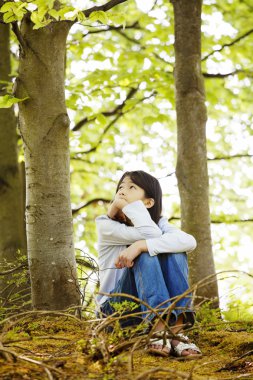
173 240
112 232
127 256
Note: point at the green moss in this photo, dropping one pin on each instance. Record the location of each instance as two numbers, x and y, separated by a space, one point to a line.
73 348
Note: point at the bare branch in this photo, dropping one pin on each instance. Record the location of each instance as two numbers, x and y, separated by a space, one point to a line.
95 200
13 270
106 7
219 75
231 43
18 34
106 28
230 157
112 122
217 221
107 113
46 367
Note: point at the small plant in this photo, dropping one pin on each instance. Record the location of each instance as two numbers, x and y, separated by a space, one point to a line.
238 311
208 315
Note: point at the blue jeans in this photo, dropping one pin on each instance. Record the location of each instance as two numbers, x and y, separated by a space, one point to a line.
155 280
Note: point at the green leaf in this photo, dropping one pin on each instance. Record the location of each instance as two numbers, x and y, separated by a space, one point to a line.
7 7
38 19
99 16
7 101
9 17
101 119
81 16
117 18
129 104
86 109
13 11
54 14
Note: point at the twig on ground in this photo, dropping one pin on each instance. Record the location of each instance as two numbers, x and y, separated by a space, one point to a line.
6 355
12 319
144 375
227 366
46 367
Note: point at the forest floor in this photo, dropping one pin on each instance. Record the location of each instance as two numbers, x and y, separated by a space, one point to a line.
57 346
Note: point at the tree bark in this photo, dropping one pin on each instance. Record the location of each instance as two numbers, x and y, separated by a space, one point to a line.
191 171
44 127
12 236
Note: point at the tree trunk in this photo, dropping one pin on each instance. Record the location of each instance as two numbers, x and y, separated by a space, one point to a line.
191 168
44 126
12 236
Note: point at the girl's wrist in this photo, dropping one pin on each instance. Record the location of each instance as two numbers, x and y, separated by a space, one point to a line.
141 246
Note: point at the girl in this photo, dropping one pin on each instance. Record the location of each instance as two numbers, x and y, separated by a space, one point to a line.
140 254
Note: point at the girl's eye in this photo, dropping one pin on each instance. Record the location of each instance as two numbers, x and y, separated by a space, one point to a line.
132 187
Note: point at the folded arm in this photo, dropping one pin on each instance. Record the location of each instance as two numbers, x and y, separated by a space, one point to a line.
112 232
173 240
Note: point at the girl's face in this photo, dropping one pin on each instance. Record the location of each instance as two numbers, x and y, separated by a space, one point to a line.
131 192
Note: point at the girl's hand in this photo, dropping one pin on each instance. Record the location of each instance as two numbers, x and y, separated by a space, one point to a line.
127 256
116 207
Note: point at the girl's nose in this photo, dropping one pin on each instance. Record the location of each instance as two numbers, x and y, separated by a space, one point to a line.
121 192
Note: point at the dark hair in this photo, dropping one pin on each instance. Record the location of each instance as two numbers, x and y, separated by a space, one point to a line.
151 187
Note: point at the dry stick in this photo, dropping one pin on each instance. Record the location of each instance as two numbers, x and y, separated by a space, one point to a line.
137 344
103 348
159 316
21 316
228 365
6 356
44 366
132 298
13 269
152 310
167 311
238 377
25 349
5 342
144 375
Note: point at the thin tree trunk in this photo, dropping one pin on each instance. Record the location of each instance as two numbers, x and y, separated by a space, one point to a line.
191 168
44 126
12 236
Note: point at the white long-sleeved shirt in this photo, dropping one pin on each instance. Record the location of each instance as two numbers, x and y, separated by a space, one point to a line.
113 237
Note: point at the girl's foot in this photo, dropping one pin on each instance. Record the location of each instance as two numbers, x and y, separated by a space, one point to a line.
185 349
156 346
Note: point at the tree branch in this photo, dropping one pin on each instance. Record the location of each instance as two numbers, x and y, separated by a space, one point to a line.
217 221
106 7
13 270
95 200
107 28
137 42
18 34
94 148
233 42
112 122
230 157
219 75
107 113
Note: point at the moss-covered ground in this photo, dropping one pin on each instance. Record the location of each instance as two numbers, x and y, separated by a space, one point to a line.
55 346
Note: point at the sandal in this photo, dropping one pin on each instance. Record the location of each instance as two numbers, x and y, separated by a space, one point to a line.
185 345
156 346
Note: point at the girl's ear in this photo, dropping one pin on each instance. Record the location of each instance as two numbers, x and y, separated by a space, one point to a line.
149 202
